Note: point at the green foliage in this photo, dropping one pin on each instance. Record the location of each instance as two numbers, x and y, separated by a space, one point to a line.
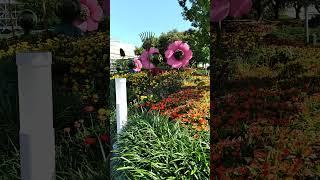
152 147
165 39
272 56
293 33
314 22
138 51
123 65
154 87
77 63
37 7
291 70
150 42
197 12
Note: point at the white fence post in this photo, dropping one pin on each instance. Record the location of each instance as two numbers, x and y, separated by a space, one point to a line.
121 103
306 21
37 144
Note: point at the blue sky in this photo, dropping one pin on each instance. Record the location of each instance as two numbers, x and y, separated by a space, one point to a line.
128 18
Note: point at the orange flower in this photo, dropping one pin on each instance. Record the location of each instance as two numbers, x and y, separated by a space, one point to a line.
307 152
66 130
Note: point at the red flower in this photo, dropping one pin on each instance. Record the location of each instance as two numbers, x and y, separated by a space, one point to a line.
90 141
266 167
286 152
104 137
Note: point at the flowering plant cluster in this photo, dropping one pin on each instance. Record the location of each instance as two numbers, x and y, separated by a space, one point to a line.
190 106
76 62
260 134
178 56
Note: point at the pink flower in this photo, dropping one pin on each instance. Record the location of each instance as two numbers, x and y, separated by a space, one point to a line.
138 64
93 15
145 58
220 9
175 47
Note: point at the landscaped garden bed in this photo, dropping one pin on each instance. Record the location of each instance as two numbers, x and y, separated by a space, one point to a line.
167 134
80 118
266 123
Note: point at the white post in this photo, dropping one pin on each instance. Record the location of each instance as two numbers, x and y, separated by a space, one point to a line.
306 21
314 38
37 146
121 103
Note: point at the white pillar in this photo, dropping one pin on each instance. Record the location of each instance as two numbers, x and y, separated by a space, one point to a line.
306 19
314 38
121 103
37 146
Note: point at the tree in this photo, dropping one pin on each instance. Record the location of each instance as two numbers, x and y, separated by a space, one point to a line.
44 9
277 6
166 38
198 13
297 5
150 42
259 7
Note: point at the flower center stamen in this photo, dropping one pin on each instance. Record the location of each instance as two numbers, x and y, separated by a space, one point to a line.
179 55
155 58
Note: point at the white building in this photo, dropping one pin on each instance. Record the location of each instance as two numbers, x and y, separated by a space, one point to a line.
291 12
116 47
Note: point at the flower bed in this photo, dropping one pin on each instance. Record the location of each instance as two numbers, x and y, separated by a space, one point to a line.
79 64
265 124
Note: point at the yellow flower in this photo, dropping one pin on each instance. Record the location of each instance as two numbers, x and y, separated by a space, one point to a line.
143 97
102 112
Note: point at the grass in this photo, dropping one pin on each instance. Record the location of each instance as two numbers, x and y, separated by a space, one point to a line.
294 33
153 147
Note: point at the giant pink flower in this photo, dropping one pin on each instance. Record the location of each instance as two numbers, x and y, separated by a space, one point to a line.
220 9
92 14
138 65
172 49
145 58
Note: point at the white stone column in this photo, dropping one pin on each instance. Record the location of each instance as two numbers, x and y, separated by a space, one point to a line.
306 19
37 144
121 103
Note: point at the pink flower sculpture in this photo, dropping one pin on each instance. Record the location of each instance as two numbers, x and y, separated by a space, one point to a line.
172 49
145 58
220 9
138 65
91 14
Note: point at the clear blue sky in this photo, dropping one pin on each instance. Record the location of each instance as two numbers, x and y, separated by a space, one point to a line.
128 18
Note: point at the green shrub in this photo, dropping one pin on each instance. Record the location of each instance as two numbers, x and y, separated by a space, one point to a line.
272 56
291 70
152 147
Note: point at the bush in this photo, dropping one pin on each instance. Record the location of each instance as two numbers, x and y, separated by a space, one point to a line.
314 22
152 147
153 87
272 56
237 44
78 63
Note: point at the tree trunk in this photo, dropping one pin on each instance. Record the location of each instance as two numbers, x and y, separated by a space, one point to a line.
45 17
298 11
276 12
